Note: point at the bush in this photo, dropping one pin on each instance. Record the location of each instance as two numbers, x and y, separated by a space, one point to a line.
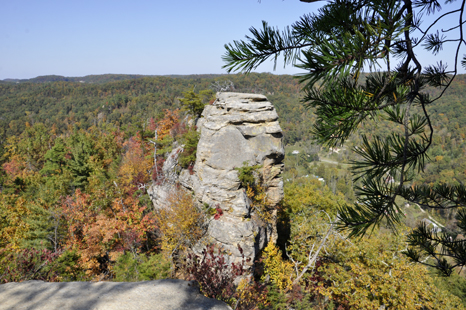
372 272
43 264
180 224
131 268
455 284
213 273
68 268
190 140
28 264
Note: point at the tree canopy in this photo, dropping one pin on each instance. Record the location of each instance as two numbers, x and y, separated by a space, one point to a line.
336 47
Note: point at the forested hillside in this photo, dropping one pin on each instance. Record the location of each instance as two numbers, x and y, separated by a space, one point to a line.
129 103
76 157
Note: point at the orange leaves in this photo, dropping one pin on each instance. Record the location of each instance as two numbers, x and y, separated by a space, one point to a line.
14 167
97 232
165 125
135 166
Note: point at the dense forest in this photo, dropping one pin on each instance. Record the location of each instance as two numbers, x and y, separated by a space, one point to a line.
76 155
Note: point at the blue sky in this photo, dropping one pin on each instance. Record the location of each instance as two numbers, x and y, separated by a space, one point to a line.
77 38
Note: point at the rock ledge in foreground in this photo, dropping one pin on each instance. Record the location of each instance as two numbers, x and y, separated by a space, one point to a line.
165 294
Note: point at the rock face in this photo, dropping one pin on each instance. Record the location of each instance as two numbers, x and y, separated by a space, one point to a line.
235 129
160 294
159 193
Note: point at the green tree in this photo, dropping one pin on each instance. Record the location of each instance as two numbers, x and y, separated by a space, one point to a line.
192 103
334 47
83 157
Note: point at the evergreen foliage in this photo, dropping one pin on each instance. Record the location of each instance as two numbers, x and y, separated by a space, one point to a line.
334 46
130 267
194 103
190 140
247 174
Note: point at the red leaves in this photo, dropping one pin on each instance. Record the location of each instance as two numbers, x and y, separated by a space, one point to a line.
152 125
178 129
12 168
29 264
213 273
191 169
219 212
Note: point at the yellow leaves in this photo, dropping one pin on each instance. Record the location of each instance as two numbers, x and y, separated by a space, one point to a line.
302 195
249 296
258 197
13 228
179 223
368 94
372 272
249 192
279 271
135 165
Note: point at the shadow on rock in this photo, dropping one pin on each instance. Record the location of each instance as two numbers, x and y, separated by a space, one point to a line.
165 294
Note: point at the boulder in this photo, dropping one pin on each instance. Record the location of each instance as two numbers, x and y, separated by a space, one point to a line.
160 294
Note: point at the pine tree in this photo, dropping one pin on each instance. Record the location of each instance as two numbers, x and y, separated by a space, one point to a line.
192 103
335 47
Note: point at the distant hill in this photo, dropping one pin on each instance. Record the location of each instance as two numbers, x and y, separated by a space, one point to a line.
97 79
102 78
129 99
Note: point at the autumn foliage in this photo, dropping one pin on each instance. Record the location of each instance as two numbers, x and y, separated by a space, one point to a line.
74 206
100 235
180 223
136 165
165 125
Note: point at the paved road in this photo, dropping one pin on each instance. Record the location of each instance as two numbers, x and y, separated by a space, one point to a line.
325 160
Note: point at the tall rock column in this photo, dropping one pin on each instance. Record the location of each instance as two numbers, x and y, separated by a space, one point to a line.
235 129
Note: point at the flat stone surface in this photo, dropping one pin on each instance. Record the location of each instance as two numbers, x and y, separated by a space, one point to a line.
165 294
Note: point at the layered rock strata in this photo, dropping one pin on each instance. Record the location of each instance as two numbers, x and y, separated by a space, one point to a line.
236 129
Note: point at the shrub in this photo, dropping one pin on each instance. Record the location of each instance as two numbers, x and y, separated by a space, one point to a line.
251 295
278 271
251 180
28 264
68 268
180 223
130 267
190 140
372 272
455 284
213 273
